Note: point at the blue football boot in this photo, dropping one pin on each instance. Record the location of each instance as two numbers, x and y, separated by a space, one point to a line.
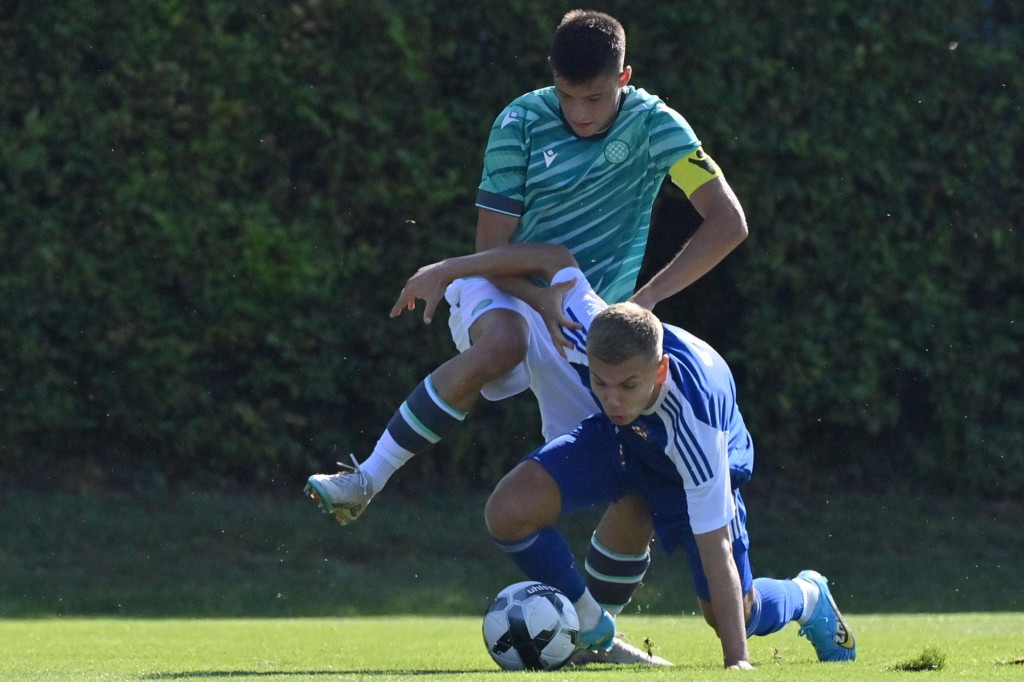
826 630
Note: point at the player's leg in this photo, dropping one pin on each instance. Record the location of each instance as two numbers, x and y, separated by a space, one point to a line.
616 562
619 553
442 400
708 611
430 412
570 473
521 514
771 604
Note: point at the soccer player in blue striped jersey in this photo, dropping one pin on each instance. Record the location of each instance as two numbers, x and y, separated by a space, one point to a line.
669 431
577 164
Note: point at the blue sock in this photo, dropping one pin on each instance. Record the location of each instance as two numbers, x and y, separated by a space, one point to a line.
776 602
545 557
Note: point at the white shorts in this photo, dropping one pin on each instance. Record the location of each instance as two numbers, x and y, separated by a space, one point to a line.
563 399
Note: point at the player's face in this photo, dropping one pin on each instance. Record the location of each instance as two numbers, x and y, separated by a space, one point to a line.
590 108
629 388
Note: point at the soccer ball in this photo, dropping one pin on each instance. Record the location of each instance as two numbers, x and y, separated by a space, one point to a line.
531 626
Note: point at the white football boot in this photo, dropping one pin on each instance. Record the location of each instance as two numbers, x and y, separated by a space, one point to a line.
620 653
344 495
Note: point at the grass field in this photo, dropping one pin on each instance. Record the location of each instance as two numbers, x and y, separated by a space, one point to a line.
195 584
972 646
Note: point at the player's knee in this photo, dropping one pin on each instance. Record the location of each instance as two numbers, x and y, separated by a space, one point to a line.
519 506
502 342
504 352
505 517
708 611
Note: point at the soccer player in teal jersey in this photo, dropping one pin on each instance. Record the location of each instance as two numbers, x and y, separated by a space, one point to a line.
578 164
591 194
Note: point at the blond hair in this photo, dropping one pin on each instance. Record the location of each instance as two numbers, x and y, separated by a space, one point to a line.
623 331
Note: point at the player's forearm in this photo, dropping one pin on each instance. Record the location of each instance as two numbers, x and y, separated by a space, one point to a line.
726 593
723 229
510 263
713 241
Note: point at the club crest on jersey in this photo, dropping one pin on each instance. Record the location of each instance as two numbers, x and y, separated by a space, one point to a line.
641 431
616 151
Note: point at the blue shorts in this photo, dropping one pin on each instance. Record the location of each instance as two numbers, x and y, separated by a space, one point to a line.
590 472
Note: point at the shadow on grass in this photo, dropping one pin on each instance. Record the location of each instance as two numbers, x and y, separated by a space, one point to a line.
218 674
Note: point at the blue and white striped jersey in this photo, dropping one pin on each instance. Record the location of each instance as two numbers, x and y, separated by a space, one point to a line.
694 432
593 195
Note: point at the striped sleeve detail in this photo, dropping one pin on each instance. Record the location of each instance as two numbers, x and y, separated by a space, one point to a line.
687 442
499 204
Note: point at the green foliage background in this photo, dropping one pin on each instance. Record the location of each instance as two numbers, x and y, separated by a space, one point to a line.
208 207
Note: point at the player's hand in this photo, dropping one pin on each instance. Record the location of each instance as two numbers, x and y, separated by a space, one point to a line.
645 299
740 665
429 284
549 305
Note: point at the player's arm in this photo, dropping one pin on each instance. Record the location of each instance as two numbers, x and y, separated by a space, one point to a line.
723 578
508 260
495 229
724 227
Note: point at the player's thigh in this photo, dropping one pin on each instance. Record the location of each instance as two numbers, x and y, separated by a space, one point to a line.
525 500
585 464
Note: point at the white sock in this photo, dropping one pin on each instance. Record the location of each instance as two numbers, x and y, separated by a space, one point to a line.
387 458
810 591
588 610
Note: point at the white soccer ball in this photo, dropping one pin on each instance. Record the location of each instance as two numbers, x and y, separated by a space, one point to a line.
531 626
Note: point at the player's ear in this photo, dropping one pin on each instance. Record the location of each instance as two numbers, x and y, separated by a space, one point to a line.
624 77
662 371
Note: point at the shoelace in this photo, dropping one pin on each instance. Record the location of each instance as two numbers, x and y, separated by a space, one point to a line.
354 469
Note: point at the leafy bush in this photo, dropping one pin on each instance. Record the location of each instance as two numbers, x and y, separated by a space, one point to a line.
209 208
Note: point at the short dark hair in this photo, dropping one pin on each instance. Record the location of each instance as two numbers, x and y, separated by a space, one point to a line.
587 45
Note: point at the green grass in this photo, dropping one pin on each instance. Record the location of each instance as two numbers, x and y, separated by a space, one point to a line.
974 647
198 585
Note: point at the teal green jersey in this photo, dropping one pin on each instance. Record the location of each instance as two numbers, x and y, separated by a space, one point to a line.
593 195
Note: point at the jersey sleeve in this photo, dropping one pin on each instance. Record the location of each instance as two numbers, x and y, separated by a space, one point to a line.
711 505
503 185
672 138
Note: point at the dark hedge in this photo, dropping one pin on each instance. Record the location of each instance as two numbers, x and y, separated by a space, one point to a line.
208 208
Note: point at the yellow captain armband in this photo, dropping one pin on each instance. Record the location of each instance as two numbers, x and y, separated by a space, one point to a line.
693 170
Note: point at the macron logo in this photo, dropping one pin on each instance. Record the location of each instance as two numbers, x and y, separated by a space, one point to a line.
549 157
510 117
